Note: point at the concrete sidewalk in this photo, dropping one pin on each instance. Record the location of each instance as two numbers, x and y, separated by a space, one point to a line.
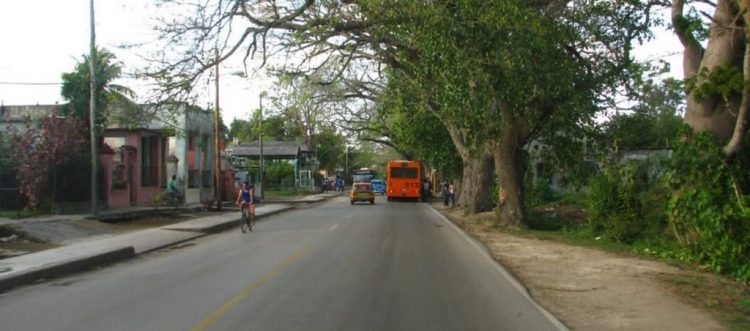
84 255
104 215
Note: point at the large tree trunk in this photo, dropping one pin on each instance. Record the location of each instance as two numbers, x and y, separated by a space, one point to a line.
474 193
726 48
509 166
476 180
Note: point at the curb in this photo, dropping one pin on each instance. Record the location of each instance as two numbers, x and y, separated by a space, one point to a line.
72 265
66 267
235 221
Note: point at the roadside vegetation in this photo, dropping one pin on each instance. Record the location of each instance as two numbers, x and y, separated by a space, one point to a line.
18 213
287 193
678 210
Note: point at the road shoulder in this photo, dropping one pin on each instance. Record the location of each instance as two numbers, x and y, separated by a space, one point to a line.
588 289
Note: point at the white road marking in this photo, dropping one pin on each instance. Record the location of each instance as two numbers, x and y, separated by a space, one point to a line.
334 227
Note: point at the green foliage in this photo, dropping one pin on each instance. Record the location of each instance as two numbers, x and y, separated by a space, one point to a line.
654 122
416 131
538 193
537 190
725 81
18 214
626 201
277 171
708 210
156 200
330 146
507 72
694 25
275 127
692 208
76 88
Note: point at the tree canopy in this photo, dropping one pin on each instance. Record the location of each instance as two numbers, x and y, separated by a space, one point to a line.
495 74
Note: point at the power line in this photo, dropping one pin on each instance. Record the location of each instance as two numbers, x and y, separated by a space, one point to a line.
28 83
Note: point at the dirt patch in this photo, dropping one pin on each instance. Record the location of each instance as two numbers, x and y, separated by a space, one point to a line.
588 289
14 242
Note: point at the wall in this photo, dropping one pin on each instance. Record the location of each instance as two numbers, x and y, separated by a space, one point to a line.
14 115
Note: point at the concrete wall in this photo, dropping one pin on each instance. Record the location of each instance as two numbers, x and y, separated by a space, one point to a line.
14 115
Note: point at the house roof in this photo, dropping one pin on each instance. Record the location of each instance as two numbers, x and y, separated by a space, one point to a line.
270 149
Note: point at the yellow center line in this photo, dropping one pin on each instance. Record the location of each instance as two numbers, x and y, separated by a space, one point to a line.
247 291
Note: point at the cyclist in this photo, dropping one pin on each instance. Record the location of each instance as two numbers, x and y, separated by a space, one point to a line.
173 191
246 196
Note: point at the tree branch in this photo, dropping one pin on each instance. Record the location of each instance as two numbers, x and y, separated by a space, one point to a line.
693 49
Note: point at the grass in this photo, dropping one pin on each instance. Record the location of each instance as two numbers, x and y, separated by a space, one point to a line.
22 243
286 193
575 236
16 214
727 300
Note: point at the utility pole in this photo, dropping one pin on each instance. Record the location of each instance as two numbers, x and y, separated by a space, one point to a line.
217 142
262 189
92 112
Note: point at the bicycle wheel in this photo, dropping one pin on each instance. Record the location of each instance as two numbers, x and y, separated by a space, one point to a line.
243 223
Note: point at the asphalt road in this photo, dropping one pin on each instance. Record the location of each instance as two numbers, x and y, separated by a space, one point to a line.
391 266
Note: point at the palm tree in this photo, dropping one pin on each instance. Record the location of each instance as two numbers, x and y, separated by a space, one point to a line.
75 88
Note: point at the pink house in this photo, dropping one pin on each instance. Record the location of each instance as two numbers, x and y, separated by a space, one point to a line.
139 159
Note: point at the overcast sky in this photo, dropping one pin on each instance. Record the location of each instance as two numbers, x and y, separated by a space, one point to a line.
42 39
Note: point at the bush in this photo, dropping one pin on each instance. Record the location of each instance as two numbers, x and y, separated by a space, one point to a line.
539 193
708 211
627 201
275 172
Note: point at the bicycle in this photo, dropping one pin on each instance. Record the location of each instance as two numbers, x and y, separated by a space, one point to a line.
247 221
173 200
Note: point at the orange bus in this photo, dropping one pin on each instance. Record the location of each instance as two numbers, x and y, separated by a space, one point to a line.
404 180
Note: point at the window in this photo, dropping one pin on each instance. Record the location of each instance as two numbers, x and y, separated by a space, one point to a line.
403 172
149 161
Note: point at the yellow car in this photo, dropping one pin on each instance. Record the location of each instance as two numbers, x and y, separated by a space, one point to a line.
362 192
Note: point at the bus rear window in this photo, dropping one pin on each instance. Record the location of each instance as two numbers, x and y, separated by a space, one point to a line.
403 172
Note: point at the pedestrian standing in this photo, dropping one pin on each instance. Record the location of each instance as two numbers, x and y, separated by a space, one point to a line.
444 190
452 194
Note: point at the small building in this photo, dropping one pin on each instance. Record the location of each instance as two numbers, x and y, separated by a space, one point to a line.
246 158
173 139
142 147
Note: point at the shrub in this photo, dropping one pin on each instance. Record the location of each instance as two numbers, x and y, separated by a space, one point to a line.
627 201
708 211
